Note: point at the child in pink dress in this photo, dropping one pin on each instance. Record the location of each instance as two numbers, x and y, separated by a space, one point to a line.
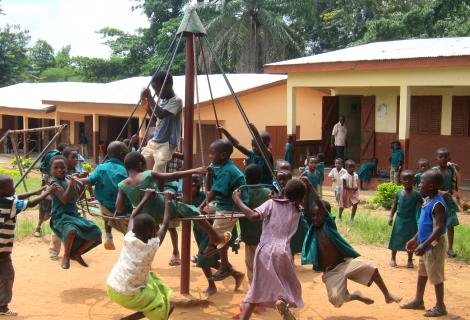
350 190
274 280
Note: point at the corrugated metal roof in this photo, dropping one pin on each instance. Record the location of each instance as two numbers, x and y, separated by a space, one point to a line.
31 95
390 50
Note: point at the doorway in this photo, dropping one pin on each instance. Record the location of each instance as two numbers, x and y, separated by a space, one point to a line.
350 108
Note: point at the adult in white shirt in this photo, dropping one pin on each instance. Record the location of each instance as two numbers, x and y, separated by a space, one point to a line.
339 138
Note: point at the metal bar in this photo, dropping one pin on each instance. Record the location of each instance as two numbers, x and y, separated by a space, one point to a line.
188 159
18 162
33 130
43 152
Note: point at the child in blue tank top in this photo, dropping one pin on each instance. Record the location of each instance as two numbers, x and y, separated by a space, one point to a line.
430 245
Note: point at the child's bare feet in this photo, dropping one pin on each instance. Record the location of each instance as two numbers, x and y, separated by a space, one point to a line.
109 244
410 265
357 295
65 263
211 290
175 261
238 276
390 298
393 263
79 259
413 305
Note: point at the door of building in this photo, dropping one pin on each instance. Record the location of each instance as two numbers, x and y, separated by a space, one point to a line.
330 116
367 128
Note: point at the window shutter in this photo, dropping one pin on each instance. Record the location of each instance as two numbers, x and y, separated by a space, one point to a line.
435 112
414 115
460 116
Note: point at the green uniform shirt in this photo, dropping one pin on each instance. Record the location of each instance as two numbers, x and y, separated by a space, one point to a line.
266 177
226 179
251 230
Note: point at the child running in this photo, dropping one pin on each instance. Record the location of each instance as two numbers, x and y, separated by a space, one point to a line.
254 156
131 283
329 252
429 244
78 234
226 178
106 178
447 189
423 166
274 278
406 205
335 175
349 191
10 206
366 171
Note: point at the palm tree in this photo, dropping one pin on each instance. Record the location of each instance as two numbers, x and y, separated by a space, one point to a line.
250 33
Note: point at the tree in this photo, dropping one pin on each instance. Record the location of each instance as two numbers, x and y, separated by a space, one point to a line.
13 55
60 74
100 70
62 57
41 56
250 33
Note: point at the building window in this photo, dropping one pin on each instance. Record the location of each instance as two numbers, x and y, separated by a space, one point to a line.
461 116
425 117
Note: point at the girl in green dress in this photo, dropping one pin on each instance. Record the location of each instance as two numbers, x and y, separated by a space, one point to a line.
78 234
312 174
366 172
406 206
448 188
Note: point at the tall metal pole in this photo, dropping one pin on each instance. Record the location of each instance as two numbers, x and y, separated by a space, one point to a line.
188 158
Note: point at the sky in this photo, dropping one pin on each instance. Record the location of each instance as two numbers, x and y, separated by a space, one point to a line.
74 22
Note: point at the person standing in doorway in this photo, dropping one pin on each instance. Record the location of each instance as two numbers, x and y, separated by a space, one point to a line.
83 141
339 138
159 150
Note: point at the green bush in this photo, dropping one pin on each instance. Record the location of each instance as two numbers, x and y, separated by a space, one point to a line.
385 194
13 173
27 162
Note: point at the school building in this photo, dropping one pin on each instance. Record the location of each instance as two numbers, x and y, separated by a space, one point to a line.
99 111
415 91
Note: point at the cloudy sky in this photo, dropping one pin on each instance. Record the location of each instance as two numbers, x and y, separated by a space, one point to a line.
74 22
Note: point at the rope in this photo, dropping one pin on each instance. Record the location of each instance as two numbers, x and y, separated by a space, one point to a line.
170 64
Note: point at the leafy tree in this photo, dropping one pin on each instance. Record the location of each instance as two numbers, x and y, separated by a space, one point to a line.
60 74
100 70
62 57
13 55
41 56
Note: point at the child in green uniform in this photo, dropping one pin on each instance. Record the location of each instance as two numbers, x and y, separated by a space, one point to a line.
449 186
366 172
396 162
407 204
320 171
423 166
289 155
312 175
254 156
78 234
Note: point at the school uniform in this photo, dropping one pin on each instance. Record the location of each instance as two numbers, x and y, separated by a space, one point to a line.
395 165
405 226
349 197
337 182
266 177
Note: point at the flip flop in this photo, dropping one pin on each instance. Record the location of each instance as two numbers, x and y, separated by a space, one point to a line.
219 247
37 234
219 276
436 311
9 313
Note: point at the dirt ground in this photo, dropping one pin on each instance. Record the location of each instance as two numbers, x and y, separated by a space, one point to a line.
44 291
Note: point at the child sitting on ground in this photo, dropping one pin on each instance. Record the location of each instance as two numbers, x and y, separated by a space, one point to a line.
406 205
78 234
131 283
329 252
429 244
254 156
423 166
141 179
349 191
366 171
106 178
396 162
226 178
447 189
10 207
275 283
335 175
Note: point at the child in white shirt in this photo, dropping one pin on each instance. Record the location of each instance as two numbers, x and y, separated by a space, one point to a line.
350 190
335 174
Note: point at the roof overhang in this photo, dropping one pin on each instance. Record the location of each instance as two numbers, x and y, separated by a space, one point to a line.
436 62
44 110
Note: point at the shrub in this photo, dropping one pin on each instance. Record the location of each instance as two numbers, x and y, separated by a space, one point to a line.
13 173
26 162
87 166
385 194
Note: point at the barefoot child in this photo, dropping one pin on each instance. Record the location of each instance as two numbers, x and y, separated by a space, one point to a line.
423 166
335 175
429 244
449 186
274 278
78 234
254 156
366 171
10 207
349 191
226 178
131 283
106 178
396 162
329 252
406 205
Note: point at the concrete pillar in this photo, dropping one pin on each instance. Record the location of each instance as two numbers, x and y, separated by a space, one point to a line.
446 115
291 111
96 138
404 122
72 132
25 136
57 123
143 127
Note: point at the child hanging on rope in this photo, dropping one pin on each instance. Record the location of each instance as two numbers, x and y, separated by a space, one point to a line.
423 166
131 282
335 175
254 156
406 205
226 178
141 179
329 252
350 190
10 206
448 188
78 234
275 283
106 178
159 150
206 263
430 245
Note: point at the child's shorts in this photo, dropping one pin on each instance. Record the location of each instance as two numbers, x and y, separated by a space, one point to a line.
224 225
431 264
359 271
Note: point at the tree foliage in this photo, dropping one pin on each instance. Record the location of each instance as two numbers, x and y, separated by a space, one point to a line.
41 56
13 55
